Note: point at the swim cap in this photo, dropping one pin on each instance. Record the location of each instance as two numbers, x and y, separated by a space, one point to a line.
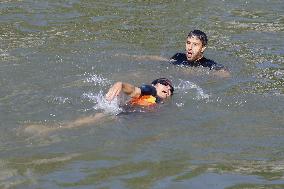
164 81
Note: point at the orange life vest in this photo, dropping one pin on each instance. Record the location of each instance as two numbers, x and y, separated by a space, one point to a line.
146 100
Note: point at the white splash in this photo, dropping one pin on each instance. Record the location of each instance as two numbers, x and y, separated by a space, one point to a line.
179 104
103 104
97 80
187 85
58 100
279 73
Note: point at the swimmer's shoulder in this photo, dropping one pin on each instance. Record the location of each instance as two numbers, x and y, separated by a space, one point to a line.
148 90
179 59
211 64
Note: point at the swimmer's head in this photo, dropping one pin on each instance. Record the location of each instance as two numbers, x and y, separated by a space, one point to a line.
195 45
200 35
164 87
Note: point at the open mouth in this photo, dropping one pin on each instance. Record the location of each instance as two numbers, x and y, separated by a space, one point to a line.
189 54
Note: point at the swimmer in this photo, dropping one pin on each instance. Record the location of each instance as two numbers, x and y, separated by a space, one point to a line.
195 46
146 95
196 43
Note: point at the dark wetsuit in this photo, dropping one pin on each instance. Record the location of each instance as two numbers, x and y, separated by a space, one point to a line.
149 90
181 59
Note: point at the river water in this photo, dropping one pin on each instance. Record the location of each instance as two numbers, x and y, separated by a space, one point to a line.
58 58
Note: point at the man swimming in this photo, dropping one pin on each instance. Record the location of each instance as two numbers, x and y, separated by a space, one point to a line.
146 95
195 46
143 96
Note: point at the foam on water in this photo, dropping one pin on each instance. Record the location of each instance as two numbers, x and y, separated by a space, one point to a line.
58 100
102 104
99 98
97 80
185 86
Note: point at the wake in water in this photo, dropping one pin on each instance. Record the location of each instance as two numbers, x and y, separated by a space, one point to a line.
104 111
97 80
101 104
185 86
108 107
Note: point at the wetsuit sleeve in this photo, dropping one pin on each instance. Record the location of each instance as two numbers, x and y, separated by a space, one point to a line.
218 67
175 57
178 58
148 90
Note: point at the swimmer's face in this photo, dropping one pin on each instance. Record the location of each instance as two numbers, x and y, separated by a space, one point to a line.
163 91
194 48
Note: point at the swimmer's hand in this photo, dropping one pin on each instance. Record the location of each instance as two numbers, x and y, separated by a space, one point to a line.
114 91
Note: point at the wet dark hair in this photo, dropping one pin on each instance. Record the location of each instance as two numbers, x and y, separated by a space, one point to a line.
200 35
164 81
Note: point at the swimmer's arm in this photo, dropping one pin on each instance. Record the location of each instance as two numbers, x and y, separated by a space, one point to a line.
224 73
153 58
126 88
220 70
145 57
